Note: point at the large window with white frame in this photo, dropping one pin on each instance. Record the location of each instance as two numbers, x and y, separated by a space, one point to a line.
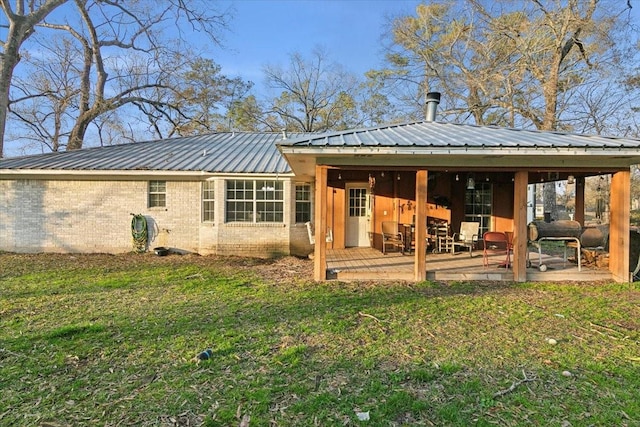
303 203
208 201
254 201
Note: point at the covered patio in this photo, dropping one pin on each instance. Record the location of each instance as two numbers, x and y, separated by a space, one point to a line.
370 264
418 173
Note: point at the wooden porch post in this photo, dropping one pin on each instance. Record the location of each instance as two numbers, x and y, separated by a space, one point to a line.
619 212
521 180
420 267
320 250
579 211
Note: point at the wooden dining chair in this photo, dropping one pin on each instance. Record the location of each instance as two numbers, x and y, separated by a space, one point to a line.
391 236
496 243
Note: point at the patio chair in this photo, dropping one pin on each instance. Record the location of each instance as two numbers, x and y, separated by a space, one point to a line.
391 236
312 234
467 237
443 241
496 242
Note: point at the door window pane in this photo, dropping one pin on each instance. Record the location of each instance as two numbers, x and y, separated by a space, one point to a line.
357 202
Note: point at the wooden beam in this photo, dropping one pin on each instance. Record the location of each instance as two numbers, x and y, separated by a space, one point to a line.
619 213
520 237
320 251
419 269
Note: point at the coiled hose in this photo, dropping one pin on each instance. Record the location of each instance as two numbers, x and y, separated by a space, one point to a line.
139 233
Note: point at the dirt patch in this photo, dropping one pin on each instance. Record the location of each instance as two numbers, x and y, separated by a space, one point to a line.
276 270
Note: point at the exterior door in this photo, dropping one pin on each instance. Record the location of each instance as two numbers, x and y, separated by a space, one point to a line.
358 215
478 206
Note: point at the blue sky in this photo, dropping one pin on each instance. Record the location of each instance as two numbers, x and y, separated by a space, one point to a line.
267 31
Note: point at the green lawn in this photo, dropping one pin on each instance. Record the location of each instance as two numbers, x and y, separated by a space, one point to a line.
112 340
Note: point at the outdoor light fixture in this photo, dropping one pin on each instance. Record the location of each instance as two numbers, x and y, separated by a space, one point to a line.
398 176
339 176
571 179
471 182
457 177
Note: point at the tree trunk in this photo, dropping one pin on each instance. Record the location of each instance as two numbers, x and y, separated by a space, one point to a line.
21 26
18 32
6 73
76 138
549 200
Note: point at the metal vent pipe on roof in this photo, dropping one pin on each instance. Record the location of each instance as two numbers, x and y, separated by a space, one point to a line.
433 99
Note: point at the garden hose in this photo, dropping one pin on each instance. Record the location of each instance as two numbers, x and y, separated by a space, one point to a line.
139 232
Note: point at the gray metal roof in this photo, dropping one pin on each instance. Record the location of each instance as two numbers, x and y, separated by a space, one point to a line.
436 134
236 152
419 143
449 146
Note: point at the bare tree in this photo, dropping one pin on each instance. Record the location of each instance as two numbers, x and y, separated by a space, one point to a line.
44 99
122 58
314 95
523 64
21 22
515 64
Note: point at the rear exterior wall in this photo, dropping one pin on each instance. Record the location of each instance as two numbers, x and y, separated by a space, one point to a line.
85 216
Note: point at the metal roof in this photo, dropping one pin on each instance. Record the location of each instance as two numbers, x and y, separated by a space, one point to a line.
420 144
449 146
229 152
436 134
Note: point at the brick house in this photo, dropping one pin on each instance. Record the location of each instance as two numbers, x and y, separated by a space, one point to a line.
228 193
252 193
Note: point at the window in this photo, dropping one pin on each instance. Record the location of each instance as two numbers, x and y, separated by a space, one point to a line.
303 203
270 201
239 201
255 201
208 199
157 194
478 206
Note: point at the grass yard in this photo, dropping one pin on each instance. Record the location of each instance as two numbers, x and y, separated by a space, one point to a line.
111 341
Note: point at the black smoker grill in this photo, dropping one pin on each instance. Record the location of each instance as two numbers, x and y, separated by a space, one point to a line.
564 230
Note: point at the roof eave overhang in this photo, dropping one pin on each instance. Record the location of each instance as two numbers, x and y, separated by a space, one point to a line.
120 175
128 175
116 175
303 159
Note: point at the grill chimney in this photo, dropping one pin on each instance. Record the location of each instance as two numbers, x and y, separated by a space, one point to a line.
433 99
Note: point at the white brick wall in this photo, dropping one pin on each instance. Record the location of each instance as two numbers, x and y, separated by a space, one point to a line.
95 216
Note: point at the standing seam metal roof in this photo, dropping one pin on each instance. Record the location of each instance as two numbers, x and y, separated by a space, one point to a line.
257 152
229 152
436 134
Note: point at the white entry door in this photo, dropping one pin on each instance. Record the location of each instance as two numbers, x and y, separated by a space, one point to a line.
358 215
